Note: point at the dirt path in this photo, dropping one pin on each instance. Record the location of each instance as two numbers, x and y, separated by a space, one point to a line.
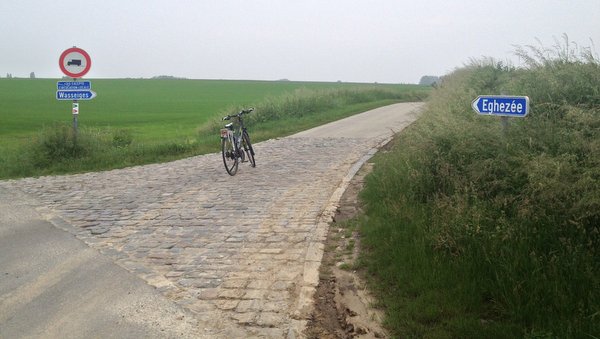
343 305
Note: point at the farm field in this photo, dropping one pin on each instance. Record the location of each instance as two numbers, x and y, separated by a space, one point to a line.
153 109
140 121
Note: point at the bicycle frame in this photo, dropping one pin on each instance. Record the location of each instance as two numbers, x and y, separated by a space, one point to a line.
236 136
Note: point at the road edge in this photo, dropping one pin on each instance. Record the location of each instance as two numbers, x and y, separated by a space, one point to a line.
314 255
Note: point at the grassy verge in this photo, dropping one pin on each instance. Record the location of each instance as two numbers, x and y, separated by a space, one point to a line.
303 109
55 149
477 231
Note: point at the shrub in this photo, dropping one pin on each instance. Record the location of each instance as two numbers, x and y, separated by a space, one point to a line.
58 143
506 221
564 74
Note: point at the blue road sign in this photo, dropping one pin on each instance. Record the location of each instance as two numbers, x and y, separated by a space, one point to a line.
508 106
75 95
73 85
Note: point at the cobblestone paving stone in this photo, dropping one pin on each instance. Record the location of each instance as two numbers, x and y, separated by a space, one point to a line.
241 253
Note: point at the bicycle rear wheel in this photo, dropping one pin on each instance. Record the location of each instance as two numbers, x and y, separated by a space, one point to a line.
248 148
230 160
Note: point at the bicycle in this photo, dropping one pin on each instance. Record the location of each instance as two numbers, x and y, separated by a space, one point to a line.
235 143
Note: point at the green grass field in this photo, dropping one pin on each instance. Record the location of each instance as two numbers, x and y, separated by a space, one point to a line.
138 121
155 110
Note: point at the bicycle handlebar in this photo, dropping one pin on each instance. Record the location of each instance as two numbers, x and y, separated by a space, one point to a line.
239 114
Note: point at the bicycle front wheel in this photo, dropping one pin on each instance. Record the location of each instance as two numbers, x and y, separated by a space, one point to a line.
248 149
230 159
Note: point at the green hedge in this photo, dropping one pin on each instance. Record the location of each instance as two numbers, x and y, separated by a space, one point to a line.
501 225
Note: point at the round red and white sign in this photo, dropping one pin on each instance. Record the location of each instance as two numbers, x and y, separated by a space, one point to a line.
75 62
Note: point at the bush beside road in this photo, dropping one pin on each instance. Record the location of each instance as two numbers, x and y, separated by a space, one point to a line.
475 229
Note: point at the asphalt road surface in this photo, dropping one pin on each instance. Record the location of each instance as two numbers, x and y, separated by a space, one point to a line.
181 249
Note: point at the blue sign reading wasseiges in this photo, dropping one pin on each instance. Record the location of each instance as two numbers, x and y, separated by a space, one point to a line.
73 85
75 95
511 106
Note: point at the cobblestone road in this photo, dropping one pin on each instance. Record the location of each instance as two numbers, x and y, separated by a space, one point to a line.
241 253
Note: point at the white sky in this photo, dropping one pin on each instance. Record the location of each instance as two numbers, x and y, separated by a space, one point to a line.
393 41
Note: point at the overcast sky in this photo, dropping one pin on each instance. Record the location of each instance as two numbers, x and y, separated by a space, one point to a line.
391 41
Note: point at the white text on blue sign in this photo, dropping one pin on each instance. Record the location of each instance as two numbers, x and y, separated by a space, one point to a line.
75 95
73 85
501 105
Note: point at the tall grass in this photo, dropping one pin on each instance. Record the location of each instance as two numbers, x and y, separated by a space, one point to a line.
305 108
475 230
56 149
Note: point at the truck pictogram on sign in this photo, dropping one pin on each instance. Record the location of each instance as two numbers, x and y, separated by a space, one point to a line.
75 62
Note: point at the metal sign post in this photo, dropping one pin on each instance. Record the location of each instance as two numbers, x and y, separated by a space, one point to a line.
505 123
75 115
